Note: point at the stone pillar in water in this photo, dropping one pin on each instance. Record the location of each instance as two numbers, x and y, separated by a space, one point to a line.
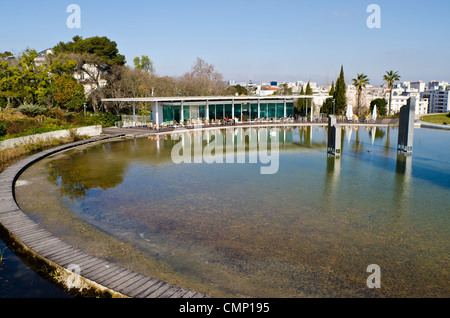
406 126
334 136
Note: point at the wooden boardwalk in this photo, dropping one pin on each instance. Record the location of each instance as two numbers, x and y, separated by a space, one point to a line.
52 249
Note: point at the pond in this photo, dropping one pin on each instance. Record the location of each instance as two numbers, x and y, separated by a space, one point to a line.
197 209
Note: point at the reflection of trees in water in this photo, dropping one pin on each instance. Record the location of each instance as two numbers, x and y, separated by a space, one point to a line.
80 173
379 133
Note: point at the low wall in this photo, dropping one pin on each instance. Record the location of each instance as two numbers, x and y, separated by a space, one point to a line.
432 125
82 131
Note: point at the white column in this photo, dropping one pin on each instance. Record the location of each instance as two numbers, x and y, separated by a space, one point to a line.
284 115
182 112
134 114
232 109
207 110
259 114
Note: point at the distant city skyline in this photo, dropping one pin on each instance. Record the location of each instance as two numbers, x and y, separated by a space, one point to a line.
261 41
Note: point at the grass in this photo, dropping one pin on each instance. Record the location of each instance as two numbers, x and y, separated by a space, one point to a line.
437 118
10 156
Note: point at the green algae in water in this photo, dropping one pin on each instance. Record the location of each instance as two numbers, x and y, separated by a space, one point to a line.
309 230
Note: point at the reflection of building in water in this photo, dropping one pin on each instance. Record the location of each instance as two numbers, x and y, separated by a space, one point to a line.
403 178
332 178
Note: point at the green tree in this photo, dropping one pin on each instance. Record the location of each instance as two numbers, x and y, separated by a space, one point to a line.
308 91
144 63
240 90
68 93
339 93
360 82
284 90
331 92
24 81
381 104
327 106
390 78
301 103
95 57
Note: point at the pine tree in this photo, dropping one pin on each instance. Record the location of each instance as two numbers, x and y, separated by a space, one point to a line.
301 103
339 93
308 91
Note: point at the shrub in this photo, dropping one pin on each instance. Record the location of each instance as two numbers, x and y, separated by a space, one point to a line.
106 119
2 128
32 110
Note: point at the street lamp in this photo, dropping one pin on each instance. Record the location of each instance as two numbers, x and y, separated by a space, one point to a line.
333 105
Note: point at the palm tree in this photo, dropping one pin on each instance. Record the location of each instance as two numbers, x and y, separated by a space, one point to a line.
390 79
360 82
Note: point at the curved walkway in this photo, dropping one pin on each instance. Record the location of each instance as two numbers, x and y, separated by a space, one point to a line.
52 250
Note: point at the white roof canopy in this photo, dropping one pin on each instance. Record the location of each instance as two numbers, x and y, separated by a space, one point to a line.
205 98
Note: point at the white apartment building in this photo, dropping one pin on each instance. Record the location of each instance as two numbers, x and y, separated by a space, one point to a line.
418 85
438 100
399 100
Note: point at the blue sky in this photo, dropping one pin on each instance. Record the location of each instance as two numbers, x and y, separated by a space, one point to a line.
282 40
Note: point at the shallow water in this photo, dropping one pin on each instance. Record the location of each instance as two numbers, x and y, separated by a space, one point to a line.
309 230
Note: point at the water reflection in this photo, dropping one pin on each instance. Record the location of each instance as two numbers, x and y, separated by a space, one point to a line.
310 229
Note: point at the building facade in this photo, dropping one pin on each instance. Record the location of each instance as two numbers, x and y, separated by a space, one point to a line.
213 108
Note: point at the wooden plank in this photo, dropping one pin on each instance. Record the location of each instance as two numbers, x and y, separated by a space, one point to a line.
44 242
106 274
189 294
159 291
169 292
138 284
138 280
95 269
180 293
59 258
142 288
73 259
150 290
34 236
48 251
124 281
107 281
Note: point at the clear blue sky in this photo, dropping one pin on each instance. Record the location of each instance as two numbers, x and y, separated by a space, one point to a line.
282 40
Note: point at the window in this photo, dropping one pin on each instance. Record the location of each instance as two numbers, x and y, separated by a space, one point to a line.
237 111
263 110
228 111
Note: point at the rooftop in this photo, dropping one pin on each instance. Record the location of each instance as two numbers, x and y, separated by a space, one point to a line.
204 98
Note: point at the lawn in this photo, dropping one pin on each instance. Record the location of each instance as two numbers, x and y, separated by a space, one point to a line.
437 118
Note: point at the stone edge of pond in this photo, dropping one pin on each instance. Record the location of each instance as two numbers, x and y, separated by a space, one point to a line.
73 269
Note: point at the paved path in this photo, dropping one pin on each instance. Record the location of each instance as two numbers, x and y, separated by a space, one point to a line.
53 250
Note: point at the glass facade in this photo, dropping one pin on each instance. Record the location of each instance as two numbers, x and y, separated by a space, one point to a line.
219 111
228 111
289 109
263 110
245 112
237 111
241 111
254 111
272 111
280 110
187 112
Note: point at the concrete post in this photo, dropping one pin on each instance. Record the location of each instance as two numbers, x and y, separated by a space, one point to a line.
334 136
406 126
